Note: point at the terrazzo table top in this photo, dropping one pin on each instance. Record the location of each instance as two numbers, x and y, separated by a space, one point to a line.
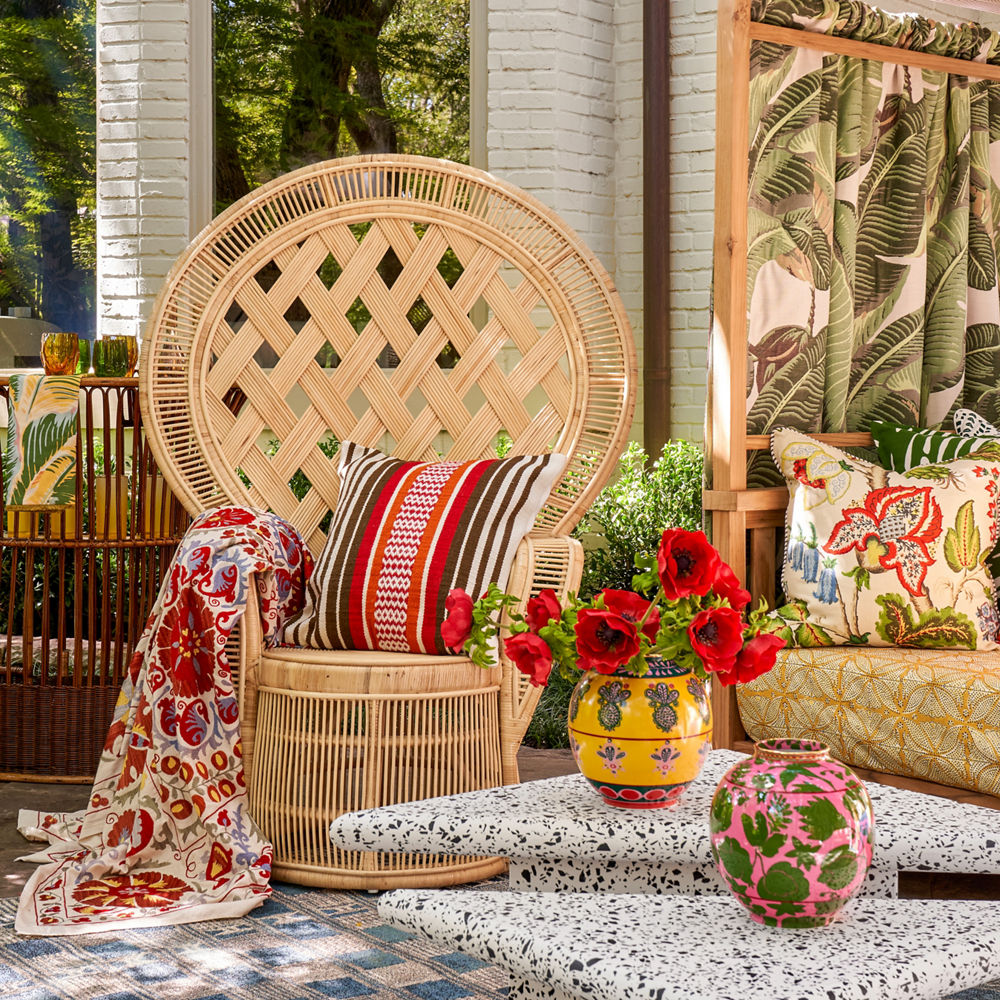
628 947
564 819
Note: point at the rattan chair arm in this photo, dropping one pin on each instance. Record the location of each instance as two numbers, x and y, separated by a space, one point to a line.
251 646
554 561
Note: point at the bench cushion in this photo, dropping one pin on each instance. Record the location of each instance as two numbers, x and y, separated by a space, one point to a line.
930 714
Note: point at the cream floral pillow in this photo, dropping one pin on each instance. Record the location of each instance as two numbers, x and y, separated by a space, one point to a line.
887 558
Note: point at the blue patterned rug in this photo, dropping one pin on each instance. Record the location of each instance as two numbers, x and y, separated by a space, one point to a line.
302 944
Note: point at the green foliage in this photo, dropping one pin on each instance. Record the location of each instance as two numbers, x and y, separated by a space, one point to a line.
821 819
626 519
839 867
629 515
548 724
48 159
935 628
783 881
300 82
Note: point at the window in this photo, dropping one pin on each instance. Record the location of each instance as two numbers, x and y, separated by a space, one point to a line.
47 173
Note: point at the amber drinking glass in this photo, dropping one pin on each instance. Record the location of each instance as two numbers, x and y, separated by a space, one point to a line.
132 344
111 357
60 353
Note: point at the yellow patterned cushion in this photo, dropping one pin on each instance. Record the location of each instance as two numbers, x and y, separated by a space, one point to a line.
931 714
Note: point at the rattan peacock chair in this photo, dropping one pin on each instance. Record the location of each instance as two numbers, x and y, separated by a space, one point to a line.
293 319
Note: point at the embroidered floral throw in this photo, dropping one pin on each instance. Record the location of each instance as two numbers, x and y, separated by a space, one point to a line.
167 838
887 558
873 232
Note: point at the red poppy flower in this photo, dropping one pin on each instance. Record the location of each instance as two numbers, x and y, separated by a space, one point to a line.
716 635
728 587
140 889
542 609
755 658
604 640
687 563
531 655
457 626
632 607
892 531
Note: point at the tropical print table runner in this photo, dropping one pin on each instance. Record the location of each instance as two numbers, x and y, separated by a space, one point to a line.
167 837
874 228
40 460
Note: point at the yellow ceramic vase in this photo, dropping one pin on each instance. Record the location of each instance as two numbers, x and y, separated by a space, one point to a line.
640 741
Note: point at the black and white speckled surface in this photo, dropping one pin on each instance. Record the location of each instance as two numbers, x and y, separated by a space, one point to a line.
561 836
628 947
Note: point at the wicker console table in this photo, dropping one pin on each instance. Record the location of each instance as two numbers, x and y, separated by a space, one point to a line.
76 589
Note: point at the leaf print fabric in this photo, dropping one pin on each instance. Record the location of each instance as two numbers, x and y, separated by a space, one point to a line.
873 228
888 558
167 837
40 464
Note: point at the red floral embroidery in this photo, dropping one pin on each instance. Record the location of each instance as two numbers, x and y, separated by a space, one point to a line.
895 527
140 889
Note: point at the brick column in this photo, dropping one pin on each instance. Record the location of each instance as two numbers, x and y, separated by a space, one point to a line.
144 162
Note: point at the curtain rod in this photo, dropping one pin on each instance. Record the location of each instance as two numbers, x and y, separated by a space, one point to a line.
834 44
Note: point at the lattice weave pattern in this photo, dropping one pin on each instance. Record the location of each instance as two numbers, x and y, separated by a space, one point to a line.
282 320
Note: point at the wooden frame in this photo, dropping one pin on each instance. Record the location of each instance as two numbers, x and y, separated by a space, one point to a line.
746 522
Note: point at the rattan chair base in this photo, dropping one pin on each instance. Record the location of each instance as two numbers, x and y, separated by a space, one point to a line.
452 871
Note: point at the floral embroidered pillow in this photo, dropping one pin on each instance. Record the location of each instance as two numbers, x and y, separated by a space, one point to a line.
887 558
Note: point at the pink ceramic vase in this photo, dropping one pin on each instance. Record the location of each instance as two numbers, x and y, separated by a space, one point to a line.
792 833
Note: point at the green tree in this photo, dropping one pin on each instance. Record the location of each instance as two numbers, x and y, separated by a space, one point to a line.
303 80
48 157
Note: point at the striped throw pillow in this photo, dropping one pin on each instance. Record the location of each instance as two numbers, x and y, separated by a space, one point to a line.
968 423
903 448
406 533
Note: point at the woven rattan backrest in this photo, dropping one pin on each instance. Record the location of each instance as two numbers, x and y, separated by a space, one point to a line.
293 319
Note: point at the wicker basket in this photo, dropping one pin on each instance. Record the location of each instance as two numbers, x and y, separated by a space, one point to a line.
76 589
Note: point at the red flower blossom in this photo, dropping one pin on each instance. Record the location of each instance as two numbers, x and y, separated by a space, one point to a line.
632 607
687 563
716 635
186 637
604 640
140 889
133 829
542 609
457 626
892 531
728 587
755 658
531 655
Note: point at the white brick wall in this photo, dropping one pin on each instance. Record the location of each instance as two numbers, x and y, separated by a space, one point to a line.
565 112
143 154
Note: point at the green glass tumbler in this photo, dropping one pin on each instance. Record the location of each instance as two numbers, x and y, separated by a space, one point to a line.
85 365
111 357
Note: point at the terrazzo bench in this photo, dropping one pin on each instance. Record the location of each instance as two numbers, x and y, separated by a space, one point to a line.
560 836
628 947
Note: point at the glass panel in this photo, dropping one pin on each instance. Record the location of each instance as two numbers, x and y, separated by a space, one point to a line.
48 190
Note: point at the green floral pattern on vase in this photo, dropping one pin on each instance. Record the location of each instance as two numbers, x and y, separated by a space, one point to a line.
792 833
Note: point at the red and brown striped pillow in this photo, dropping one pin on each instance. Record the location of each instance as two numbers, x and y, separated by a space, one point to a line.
406 533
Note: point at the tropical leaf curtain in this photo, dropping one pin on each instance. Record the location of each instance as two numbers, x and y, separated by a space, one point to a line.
874 227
